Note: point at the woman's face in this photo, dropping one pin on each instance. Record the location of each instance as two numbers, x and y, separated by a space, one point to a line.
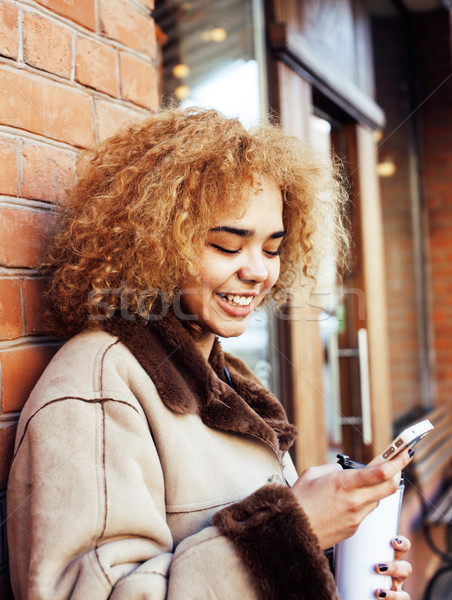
238 265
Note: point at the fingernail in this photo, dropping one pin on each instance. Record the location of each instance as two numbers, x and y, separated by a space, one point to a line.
411 452
398 541
381 594
382 568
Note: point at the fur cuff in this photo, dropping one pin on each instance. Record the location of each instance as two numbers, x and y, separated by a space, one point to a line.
276 542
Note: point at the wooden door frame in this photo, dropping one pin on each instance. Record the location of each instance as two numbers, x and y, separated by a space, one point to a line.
302 364
374 279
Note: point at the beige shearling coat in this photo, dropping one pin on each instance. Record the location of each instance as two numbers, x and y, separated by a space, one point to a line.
140 474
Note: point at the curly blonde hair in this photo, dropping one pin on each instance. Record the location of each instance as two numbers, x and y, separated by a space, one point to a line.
132 226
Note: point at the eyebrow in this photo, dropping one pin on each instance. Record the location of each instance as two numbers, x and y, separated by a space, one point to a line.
246 232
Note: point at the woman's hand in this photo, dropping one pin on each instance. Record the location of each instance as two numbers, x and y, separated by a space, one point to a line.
398 569
337 500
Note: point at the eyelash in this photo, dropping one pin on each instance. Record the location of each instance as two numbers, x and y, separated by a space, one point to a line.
226 251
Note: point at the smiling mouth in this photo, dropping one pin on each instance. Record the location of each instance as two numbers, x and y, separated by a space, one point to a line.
236 300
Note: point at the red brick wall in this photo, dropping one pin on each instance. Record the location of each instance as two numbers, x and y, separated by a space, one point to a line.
70 73
392 88
434 65
431 35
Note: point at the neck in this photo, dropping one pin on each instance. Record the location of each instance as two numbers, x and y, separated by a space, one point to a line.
205 344
203 339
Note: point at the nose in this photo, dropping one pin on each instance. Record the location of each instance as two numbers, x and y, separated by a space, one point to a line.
253 269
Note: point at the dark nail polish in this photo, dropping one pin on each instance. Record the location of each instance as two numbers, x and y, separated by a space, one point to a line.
411 452
382 567
398 541
381 594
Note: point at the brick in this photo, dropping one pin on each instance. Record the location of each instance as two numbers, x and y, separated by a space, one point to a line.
47 45
7 437
138 81
10 309
110 117
8 170
46 171
21 369
8 30
121 21
95 66
24 236
35 305
80 11
35 104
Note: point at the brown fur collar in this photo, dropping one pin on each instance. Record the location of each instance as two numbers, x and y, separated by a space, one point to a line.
187 383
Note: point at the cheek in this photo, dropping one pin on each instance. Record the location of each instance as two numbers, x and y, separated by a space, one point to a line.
213 272
273 273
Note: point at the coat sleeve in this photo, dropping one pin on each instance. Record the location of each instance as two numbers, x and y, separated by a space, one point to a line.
275 541
86 514
86 505
87 519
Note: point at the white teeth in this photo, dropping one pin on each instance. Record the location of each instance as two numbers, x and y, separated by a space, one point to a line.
239 300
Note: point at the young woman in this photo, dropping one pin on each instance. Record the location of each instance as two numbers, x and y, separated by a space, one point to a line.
148 463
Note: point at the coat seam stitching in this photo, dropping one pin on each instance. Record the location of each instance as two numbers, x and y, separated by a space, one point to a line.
62 399
102 361
104 474
146 574
188 511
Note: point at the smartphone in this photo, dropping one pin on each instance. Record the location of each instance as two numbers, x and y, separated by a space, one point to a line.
407 439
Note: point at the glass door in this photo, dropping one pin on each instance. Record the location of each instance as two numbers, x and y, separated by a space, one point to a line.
342 323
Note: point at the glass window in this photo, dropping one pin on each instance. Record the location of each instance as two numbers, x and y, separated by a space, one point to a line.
213 56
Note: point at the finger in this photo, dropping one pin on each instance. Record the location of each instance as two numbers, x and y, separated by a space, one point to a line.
392 467
377 474
383 480
399 462
392 594
399 570
401 546
378 482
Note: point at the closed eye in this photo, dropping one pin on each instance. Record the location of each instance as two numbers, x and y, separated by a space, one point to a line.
276 253
225 250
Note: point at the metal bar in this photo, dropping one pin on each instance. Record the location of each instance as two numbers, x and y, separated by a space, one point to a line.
365 386
333 354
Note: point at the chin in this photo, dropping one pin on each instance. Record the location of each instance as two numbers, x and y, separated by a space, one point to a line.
229 330
232 332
